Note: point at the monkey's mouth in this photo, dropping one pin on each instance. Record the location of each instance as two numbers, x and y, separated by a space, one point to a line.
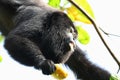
62 58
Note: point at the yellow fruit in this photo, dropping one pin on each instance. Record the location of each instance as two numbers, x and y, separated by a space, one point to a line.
59 73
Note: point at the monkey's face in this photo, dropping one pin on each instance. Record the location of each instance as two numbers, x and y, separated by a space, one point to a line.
59 40
65 44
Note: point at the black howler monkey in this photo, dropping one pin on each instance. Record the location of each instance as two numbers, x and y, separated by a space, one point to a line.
42 36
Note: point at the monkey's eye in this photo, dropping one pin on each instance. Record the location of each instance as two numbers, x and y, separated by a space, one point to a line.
70 30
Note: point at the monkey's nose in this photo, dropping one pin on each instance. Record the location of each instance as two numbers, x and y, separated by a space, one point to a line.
72 44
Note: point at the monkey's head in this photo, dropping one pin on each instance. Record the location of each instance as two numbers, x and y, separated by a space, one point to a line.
59 39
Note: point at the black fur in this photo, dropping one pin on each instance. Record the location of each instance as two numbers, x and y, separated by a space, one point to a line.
85 69
40 39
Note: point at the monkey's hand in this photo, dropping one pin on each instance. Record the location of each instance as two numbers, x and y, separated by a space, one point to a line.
59 73
48 67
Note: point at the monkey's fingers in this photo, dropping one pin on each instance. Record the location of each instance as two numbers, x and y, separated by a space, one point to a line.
59 73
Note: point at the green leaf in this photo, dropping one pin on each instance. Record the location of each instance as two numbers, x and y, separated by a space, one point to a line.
86 6
83 36
54 3
79 16
0 58
1 38
114 77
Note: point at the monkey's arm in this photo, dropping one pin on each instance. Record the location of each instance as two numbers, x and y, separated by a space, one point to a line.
84 69
27 52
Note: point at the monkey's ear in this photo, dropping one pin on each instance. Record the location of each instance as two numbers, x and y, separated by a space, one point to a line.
58 16
58 19
53 19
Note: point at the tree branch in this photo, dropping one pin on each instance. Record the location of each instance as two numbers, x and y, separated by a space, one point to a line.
97 30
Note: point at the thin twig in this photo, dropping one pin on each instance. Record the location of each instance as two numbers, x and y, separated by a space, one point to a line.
118 70
106 33
97 30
